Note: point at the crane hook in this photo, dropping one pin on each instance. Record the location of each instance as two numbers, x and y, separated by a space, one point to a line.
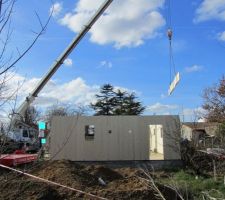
170 33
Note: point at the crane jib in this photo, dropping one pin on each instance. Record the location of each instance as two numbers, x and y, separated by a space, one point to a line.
59 61
70 48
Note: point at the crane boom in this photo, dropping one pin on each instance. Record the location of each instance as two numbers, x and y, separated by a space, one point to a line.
29 99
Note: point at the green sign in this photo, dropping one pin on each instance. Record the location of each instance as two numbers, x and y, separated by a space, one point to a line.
43 140
41 125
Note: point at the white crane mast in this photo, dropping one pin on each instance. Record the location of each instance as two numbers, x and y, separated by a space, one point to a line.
29 99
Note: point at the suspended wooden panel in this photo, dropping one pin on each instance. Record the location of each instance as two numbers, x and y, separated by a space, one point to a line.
174 83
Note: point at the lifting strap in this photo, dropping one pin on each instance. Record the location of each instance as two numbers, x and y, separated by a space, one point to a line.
172 84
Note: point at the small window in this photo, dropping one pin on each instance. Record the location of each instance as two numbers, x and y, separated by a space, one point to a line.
89 131
25 133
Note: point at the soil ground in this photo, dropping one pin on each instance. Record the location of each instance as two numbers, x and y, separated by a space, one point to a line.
121 183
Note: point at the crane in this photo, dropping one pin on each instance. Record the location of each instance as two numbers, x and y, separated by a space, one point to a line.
20 112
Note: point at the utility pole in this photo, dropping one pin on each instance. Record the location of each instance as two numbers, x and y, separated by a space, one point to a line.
182 113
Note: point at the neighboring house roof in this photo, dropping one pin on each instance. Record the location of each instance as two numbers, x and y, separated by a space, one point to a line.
209 127
200 125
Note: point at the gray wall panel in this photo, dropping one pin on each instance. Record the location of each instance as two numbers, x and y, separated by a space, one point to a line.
128 140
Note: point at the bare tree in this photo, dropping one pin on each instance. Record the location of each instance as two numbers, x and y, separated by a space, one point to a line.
214 102
148 179
9 58
32 116
220 134
150 183
9 62
64 110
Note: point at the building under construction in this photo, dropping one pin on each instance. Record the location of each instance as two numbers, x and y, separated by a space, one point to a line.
115 138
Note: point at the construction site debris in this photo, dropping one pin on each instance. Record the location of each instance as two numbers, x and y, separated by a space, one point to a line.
121 183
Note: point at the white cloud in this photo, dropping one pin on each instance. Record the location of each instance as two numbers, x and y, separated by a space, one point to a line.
125 23
105 64
210 9
194 68
221 36
68 62
189 111
186 114
75 91
159 108
193 114
55 9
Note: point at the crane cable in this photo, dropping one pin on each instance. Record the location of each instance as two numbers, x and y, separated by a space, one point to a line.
171 57
170 37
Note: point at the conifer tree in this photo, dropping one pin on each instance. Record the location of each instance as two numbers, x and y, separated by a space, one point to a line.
105 101
110 102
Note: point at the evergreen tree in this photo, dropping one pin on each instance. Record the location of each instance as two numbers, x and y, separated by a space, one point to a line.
119 102
105 101
132 107
110 102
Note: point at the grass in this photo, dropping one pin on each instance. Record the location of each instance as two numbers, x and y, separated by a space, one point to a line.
186 181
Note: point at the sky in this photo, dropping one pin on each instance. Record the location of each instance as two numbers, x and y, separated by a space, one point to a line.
127 47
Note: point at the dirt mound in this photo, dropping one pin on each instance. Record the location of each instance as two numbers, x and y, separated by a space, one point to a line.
105 173
21 189
67 173
121 183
